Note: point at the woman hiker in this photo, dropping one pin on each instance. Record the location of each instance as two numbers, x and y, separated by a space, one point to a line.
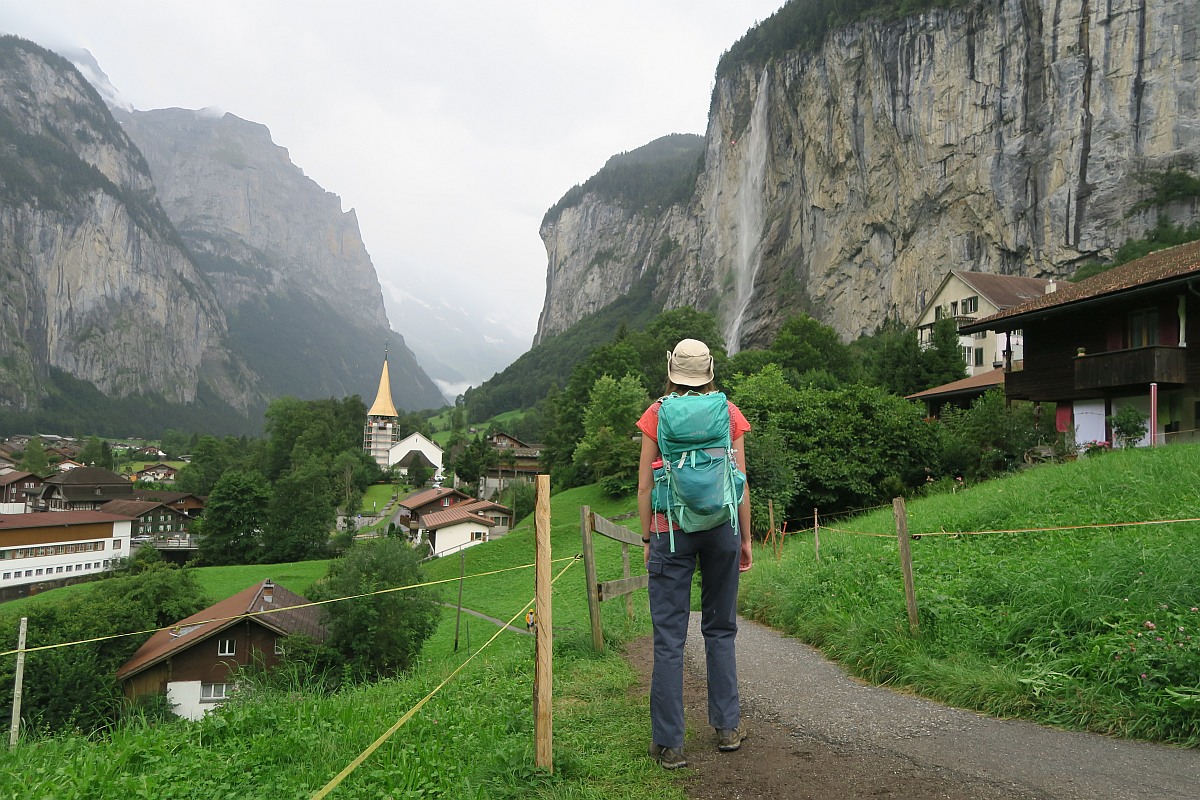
671 559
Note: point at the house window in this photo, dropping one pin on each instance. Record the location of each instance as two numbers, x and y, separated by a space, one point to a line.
938 313
979 356
970 305
967 354
117 544
477 536
1143 328
7 575
226 647
214 691
279 645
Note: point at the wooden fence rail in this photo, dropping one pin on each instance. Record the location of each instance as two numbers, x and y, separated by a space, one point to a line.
590 524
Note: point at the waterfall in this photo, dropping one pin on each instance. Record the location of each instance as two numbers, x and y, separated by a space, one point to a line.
747 255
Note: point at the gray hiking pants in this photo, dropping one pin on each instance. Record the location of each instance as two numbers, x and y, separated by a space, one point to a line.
717 553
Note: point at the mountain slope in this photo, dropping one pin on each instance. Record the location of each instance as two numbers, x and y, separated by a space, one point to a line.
848 168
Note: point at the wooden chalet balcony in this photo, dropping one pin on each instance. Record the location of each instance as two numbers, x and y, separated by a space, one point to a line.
1136 367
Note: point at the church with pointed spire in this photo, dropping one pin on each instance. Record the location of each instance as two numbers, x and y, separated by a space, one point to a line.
382 429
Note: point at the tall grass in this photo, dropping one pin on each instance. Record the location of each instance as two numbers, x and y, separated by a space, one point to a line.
474 738
1086 628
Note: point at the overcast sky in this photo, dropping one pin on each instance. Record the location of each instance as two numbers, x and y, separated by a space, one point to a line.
450 127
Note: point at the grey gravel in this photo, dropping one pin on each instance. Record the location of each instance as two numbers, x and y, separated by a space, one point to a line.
791 683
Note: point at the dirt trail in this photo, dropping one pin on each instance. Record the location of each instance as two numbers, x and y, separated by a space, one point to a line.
817 733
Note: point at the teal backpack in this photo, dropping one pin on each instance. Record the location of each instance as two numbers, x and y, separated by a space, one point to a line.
698 486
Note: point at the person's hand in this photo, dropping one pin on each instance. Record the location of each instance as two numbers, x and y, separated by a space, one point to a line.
745 556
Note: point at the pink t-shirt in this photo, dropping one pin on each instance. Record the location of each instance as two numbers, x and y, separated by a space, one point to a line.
648 424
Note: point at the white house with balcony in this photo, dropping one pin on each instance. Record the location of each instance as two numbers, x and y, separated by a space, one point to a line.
970 296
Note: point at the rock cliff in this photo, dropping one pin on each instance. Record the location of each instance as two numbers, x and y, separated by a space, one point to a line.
303 300
268 291
95 281
847 178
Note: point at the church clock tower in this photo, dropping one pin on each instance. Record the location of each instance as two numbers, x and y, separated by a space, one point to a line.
382 430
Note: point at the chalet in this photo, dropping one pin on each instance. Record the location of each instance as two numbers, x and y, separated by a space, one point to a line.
194 663
157 473
969 296
82 489
426 501
958 394
17 490
501 516
416 449
1117 338
65 464
452 529
517 461
51 548
183 502
150 518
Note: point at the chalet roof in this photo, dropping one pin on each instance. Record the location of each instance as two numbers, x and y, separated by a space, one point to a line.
426 496
91 476
135 508
285 620
55 519
451 516
1166 267
1004 291
476 506
413 457
163 496
16 477
975 384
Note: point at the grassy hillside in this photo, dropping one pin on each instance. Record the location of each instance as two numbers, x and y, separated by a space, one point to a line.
1086 628
1048 625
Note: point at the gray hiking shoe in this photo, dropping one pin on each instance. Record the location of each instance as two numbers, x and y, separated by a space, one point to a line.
668 757
730 739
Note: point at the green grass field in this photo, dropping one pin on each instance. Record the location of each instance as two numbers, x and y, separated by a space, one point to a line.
1089 628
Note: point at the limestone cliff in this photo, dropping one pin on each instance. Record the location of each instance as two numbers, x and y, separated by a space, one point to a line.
846 178
290 268
94 281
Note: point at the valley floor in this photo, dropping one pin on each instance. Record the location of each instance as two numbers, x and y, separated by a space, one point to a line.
817 733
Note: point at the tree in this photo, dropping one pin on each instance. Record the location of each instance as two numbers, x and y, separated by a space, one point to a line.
609 450
33 459
301 513
942 362
990 437
96 453
380 635
231 530
804 345
74 688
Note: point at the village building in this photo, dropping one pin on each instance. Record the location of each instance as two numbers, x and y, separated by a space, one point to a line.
969 296
17 491
195 662
82 489
45 550
1126 336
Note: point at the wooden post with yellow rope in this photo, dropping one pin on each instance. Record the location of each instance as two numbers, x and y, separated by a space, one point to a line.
543 676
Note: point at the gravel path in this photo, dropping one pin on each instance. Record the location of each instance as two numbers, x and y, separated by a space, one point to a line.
816 732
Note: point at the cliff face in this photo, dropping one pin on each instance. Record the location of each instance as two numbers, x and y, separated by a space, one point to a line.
245 283
846 181
289 266
94 279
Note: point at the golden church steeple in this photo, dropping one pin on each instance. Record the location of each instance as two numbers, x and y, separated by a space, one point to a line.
382 429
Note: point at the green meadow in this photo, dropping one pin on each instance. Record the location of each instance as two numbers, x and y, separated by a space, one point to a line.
1021 614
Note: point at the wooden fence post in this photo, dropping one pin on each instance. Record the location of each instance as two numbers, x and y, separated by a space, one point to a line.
543 678
910 594
589 570
18 686
816 535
